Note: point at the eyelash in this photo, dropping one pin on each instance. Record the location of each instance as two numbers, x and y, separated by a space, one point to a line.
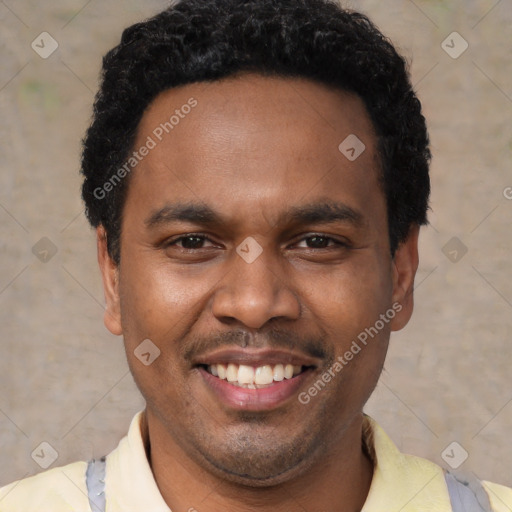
338 243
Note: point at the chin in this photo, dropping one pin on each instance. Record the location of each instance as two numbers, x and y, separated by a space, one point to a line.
263 467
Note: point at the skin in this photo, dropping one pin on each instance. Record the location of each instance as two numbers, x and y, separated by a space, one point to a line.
251 149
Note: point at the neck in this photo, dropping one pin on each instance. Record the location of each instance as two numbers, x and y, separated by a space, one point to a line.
144 430
338 482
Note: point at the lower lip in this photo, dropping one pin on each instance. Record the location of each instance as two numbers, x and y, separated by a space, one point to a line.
261 399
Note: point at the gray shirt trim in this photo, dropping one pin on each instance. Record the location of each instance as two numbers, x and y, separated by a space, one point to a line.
95 480
467 495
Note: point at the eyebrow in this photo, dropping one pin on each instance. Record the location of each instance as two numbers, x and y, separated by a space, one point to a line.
324 212
194 213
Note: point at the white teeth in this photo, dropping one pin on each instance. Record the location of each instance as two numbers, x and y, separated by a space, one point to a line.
245 374
263 375
254 378
221 370
278 372
232 372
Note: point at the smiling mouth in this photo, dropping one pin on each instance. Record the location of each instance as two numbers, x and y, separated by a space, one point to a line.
252 377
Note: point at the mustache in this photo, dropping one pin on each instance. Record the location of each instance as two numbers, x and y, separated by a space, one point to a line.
312 345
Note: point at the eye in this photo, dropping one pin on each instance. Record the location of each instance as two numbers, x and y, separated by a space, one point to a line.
189 242
321 242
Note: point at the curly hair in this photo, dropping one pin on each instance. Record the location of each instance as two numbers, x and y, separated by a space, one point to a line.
208 40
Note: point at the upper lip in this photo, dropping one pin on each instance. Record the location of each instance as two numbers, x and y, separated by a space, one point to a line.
255 357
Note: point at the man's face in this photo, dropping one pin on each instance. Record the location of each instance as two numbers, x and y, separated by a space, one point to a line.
248 238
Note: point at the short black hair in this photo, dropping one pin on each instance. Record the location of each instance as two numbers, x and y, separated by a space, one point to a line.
208 40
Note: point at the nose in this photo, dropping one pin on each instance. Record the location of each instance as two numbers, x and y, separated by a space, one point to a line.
254 293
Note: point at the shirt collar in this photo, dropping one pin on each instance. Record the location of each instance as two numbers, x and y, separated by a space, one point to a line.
401 483
130 484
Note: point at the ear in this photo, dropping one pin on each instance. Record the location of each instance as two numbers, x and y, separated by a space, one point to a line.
110 275
405 265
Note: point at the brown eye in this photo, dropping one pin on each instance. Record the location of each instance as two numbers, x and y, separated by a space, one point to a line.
318 242
189 242
192 242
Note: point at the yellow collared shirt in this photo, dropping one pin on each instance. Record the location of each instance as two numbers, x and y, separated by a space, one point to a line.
401 483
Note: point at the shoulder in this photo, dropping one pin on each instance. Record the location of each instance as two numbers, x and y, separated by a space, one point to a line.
499 495
59 489
398 476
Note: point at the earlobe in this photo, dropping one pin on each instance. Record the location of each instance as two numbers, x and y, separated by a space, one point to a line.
405 265
110 276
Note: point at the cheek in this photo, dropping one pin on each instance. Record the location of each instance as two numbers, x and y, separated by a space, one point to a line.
160 306
159 301
351 296
348 305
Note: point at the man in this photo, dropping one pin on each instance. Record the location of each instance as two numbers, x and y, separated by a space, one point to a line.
257 172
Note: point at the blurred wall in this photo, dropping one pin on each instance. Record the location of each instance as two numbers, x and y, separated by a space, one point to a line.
64 379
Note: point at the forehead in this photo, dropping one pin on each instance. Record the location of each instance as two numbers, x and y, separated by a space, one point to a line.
253 140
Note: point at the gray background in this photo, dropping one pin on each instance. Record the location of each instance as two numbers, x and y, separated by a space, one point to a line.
64 379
